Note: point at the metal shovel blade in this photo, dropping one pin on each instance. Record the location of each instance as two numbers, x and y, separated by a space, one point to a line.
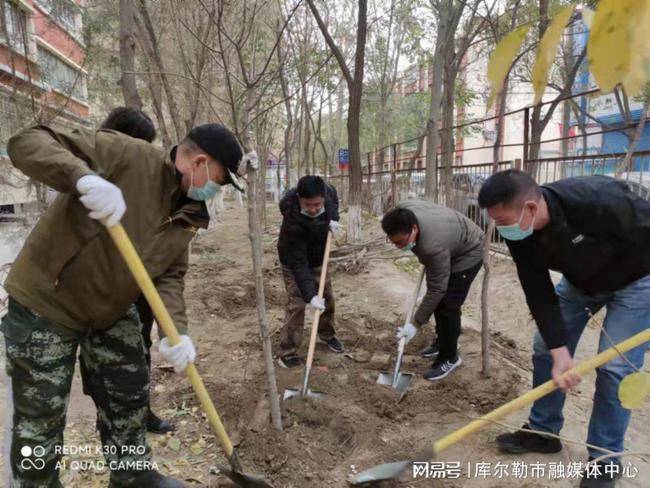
244 480
402 383
382 472
294 392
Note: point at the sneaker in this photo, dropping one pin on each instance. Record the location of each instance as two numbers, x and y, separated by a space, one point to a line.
521 442
440 369
602 474
290 361
431 352
156 425
334 344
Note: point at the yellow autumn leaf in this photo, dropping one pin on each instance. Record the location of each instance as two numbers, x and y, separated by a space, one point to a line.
501 60
609 48
587 16
547 49
638 72
634 389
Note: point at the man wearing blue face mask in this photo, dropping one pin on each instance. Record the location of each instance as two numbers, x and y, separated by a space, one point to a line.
309 212
71 293
596 232
450 247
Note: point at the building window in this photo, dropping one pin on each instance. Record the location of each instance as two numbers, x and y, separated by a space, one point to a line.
63 11
60 75
16 22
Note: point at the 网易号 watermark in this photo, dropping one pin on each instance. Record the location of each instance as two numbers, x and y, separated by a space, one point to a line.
518 470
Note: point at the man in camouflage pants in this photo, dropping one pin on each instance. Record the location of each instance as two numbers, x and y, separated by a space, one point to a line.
70 289
41 358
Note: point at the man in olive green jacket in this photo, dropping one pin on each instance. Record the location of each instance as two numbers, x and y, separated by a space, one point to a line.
70 289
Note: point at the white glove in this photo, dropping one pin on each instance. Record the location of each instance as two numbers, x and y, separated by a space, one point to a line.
335 226
179 355
102 198
407 331
317 303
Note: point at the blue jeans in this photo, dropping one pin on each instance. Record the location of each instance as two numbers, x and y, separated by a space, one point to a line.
628 313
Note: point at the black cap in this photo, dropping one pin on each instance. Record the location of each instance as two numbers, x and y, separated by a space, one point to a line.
220 143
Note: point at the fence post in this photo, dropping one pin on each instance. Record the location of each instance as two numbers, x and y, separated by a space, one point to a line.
393 177
526 134
518 163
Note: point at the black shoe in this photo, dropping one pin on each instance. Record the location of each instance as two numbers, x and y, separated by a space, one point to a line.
602 474
334 344
145 479
156 425
290 361
441 369
431 352
521 442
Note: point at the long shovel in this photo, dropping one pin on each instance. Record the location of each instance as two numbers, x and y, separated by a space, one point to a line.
305 391
165 322
398 380
390 471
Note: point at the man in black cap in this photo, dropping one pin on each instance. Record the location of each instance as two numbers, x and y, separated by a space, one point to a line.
70 290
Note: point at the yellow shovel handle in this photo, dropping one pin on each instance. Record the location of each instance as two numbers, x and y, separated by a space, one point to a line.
165 322
543 389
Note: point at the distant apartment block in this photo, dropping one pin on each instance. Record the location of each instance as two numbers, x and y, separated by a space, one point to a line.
42 79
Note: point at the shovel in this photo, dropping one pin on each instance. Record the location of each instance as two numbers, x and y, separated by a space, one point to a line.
305 391
396 379
164 320
390 471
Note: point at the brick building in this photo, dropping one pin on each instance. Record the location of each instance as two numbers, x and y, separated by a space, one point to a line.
42 80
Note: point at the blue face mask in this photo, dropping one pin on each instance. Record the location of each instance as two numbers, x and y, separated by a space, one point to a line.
206 192
307 214
514 232
409 246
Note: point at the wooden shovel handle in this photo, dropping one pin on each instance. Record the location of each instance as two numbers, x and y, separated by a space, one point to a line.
164 321
543 389
314 324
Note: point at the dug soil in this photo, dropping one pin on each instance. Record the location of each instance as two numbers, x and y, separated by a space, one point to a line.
356 423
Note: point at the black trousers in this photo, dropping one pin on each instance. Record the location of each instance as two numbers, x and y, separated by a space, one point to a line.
448 312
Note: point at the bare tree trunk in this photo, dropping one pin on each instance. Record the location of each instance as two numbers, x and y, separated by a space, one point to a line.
485 286
258 269
127 55
355 90
289 125
414 158
431 175
157 59
447 146
155 88
307 134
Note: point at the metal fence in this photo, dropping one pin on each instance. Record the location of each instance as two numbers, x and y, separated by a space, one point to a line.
382 190
397 171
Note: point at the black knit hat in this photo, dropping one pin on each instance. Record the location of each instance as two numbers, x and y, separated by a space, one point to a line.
222 145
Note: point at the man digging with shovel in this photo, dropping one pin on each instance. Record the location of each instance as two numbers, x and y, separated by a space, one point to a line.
309 212
596 232
450 247
70 289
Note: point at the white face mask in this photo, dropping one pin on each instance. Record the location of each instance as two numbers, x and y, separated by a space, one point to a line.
307 214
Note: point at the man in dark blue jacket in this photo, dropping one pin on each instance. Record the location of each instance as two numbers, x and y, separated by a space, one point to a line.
596 232
309 212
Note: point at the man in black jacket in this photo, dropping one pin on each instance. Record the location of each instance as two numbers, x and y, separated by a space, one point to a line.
596 232
309 212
